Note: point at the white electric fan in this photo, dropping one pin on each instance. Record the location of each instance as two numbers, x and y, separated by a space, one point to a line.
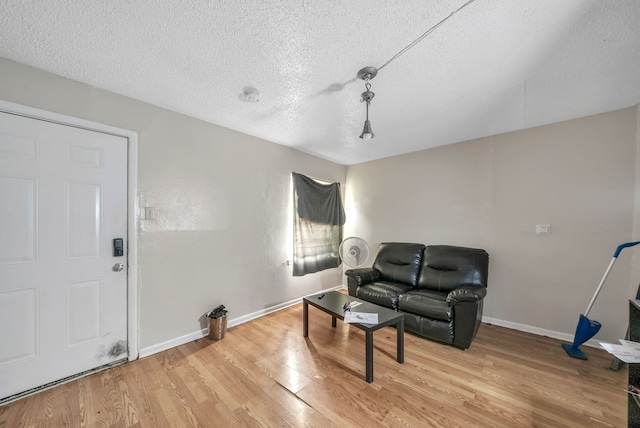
354 251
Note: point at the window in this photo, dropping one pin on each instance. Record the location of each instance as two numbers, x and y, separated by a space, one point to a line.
317 226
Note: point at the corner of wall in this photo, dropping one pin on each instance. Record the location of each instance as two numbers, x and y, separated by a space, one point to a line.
635 259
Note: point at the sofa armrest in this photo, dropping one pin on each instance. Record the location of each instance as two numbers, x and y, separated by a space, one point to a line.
363 276
466 293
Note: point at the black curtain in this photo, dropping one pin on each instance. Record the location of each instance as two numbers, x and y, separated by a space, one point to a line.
318 221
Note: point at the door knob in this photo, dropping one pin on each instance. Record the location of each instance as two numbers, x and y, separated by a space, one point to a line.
118 267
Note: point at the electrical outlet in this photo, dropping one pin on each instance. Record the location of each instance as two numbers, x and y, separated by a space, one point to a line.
543 229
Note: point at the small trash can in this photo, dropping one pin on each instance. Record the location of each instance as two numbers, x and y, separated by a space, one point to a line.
217 322
217 327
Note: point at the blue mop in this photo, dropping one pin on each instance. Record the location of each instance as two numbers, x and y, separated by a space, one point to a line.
587 328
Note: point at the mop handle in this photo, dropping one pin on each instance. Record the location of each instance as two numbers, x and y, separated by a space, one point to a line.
606 274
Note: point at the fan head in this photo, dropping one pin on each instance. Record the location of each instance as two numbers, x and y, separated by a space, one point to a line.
354 251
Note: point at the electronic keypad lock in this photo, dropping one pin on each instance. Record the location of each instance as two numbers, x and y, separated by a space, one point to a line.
118 247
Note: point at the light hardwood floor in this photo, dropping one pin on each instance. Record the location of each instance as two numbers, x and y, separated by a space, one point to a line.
264 373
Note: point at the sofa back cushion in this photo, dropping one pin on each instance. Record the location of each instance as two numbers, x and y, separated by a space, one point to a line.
446 267
399 262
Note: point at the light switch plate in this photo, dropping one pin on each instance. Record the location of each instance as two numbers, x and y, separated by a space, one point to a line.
149 213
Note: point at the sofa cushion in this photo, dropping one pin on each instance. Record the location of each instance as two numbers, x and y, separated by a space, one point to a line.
446 267
383 293
399 262
442 331
428 303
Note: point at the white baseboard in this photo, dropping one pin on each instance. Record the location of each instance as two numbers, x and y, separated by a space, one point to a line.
539 331
199 334
159 347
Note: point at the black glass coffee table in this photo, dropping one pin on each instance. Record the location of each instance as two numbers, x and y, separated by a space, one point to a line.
332 302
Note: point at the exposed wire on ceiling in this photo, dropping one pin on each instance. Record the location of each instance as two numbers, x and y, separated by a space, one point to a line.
336 87
425 34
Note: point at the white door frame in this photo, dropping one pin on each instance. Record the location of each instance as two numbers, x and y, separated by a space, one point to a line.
132 205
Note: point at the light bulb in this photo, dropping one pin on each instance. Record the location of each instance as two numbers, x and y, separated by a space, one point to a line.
367 133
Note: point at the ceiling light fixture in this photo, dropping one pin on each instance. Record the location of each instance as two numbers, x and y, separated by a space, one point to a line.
367 74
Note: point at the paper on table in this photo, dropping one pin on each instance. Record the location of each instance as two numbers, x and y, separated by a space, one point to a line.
361 318
630 343
628 351
627 358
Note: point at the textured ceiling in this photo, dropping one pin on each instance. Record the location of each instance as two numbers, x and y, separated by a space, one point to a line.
493 67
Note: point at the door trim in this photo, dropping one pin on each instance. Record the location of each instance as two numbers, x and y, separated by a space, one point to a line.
132 201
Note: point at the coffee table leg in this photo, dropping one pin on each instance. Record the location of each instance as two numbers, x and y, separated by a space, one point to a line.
333 321
305 319
400 333
369 353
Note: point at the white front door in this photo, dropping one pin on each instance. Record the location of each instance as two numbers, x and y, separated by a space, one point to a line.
63 200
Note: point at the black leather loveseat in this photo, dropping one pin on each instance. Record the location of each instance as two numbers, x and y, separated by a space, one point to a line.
439 288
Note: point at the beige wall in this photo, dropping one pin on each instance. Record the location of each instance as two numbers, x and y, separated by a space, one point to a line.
221 206
221 203
579 176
